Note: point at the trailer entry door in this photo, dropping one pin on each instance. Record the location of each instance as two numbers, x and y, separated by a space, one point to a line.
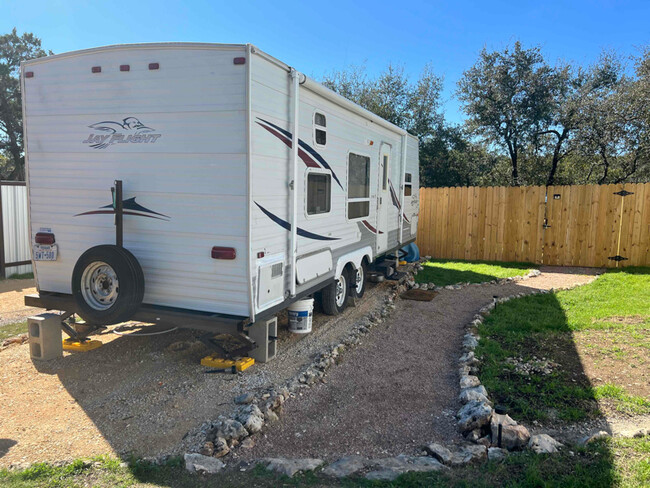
383 198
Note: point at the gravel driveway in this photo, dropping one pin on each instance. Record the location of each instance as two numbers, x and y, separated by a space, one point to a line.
399 389
137 395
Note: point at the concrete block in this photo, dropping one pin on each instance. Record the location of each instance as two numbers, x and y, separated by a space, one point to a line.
260 332
45 338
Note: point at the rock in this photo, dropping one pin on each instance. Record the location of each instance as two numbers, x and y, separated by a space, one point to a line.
244 399
438 451
248 443
474 435
470 342
220 447
469 381
513 436
271 416
251 418
496 453
345 466
470 453
289 467
593 437
207 449
474 415
389 469
543 444
485 441
469 359
198 463
230 429
474 394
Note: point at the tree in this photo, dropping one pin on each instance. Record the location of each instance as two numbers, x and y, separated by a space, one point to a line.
508 96
574 88
411 106
614 133
13 50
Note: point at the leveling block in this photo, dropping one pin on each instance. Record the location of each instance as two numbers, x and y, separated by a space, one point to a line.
214 361
72 345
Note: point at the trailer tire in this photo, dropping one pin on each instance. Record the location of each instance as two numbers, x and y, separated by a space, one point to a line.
107 285
334 297
359 277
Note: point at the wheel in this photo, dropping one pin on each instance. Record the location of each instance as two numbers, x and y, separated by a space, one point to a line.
107 285
334 296
359 280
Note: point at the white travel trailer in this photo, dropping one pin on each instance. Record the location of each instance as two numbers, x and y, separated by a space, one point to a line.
207 183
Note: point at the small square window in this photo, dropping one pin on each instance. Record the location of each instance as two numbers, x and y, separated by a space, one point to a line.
320 129
408 185
319 189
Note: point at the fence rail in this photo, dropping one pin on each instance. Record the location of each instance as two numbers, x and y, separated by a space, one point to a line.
15 253
580 225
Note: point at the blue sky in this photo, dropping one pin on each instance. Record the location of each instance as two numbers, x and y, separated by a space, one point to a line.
317 37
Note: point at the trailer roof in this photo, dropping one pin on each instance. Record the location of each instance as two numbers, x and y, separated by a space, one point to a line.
307 83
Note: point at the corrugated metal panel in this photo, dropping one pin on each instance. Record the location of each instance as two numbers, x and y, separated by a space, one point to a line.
15 227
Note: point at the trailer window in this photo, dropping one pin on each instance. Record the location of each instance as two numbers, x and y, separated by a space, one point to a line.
358 186
320 129
319 190
408 185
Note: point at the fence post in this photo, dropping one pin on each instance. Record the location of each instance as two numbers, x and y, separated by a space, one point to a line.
2 240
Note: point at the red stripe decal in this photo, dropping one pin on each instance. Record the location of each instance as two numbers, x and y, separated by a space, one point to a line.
370 227
302 154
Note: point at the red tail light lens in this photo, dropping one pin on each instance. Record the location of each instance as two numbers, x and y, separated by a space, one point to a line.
154 66
96 69
44 238
239 60
29 74
125 67
223 253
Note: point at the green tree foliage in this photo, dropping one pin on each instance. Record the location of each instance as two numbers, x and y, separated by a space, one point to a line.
14 48
508 96
411 106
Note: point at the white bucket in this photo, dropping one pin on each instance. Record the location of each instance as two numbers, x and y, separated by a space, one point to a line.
300 316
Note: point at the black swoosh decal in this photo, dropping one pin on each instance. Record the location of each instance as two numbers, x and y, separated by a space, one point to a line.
299 231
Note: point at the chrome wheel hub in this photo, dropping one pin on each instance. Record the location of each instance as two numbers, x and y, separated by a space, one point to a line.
99 285
341 290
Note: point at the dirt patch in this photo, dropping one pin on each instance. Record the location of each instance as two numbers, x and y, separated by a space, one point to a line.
12 301
620 357
140 395
629 320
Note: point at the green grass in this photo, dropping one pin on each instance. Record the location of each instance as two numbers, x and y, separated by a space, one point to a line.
542 326
11 330
445 272
630 404
21 276
610 462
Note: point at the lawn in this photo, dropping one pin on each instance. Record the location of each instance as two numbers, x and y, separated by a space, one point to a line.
11 330
21 276
610 462
445 272
602 327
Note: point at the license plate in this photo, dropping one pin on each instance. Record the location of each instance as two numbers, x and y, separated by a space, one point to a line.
45 252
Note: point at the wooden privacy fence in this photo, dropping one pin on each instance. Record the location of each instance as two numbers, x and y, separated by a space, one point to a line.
580 225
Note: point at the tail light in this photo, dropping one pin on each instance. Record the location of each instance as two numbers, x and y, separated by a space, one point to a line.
44 238
223 252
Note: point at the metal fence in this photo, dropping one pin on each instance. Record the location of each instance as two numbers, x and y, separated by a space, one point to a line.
15 255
